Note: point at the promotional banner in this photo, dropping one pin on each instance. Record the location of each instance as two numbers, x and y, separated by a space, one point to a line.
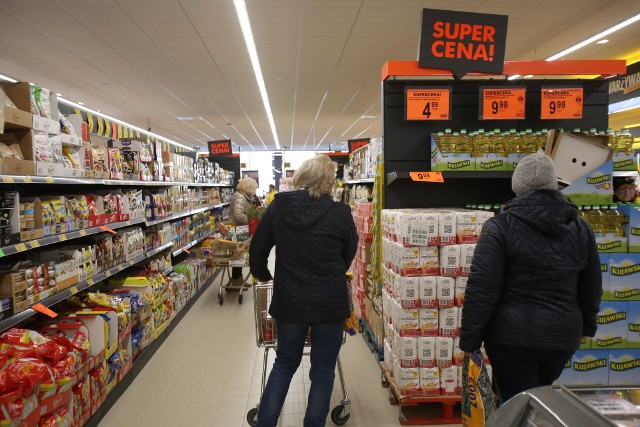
462 41
627 86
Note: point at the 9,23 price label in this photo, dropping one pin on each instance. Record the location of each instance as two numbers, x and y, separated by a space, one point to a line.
503 103
428 103
562 103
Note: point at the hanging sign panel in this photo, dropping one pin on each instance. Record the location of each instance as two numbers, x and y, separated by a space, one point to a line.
502 103
561 103
462 41
428 103
354 144
220 148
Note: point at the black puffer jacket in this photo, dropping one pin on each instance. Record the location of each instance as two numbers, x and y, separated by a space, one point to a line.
535 278
315 242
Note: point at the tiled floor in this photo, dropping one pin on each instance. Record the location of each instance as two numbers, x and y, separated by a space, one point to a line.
208 373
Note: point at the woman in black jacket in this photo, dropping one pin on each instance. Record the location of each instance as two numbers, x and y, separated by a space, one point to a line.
316 241
535 283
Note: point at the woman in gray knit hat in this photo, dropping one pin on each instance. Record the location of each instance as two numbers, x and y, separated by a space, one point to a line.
535 283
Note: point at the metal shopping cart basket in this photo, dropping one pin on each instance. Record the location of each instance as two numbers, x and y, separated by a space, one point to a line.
266 338
226 254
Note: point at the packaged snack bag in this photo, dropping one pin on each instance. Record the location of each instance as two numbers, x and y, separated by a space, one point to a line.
408 380
430 381
478 401
428 322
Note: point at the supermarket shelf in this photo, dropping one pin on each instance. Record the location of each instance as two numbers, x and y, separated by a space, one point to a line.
192 244
184 214
50 240
145 356
360 181
32 179
167 271
625 173
393 176
78 287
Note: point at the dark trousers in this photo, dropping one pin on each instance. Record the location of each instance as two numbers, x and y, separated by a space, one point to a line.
518 369
327 339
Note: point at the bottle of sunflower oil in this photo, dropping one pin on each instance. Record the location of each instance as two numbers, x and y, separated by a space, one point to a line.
481 143
463 144
447 145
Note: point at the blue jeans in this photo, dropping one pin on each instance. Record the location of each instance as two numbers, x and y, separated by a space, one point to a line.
327 339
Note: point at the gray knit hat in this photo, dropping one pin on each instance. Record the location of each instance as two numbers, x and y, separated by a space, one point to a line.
534 172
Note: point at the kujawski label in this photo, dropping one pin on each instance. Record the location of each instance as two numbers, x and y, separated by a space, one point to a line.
635 231
609 246
598 179
626 294
610 318
622 163
492 165
589 366
625 366
634 327
625 271
458 165
609 342
604 268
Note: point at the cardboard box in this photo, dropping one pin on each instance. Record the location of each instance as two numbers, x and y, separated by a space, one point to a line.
590 367
17 119
624 282
612 326
50 126
594 188
633 323
17 167
576 155
605 270
20 117
450 162
624 367
631 226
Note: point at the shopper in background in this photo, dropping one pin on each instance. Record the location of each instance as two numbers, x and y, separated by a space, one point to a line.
535 283
239 206
316 241
271 194
625 189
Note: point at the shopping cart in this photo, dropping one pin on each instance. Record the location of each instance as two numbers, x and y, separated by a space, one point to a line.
267 339
226 254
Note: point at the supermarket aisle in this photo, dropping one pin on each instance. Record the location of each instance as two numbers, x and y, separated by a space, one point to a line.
208 372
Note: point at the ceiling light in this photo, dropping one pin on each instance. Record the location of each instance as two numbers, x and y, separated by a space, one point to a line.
80 103
634 125
113 119
59 94
368 116
528 76
187 118
594 38
603 41
247 33
515 76
8 79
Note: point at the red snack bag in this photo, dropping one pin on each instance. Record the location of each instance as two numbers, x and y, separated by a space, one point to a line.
81 398
63 417
44 346
11 405
27 374
64 372
48 420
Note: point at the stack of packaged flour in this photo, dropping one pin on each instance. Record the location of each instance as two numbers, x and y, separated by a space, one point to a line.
426 261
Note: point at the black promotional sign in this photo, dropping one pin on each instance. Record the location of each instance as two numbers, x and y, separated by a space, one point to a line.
462 41
627 86
354 144
220 148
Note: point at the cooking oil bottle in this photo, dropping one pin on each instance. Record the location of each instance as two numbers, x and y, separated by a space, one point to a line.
529 142
463 143
514 142
625 141
497 143
597 219
542 138
614 220
447 145
612 138
481 143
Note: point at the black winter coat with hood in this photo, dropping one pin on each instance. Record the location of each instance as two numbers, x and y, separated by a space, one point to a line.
535 278
316 241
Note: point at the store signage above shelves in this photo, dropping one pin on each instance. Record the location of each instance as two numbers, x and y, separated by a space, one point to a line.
561 103
220 148
355 144
627 86
506 103
462 41
427 103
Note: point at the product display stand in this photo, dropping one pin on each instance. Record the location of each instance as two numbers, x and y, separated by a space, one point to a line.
408 148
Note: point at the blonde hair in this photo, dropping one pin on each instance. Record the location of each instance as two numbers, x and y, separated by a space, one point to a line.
248 186
315 175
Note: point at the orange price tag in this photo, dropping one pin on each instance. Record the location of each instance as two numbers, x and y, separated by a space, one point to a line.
428 104
503 103
561 103
44 310
426 176
185 250
103 228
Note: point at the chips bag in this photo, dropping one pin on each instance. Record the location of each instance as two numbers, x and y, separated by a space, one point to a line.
478 401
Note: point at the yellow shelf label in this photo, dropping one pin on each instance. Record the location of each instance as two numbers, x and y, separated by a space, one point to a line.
8 179
49 179
83 232
21 247
63 237
90 282
34 244
27 180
